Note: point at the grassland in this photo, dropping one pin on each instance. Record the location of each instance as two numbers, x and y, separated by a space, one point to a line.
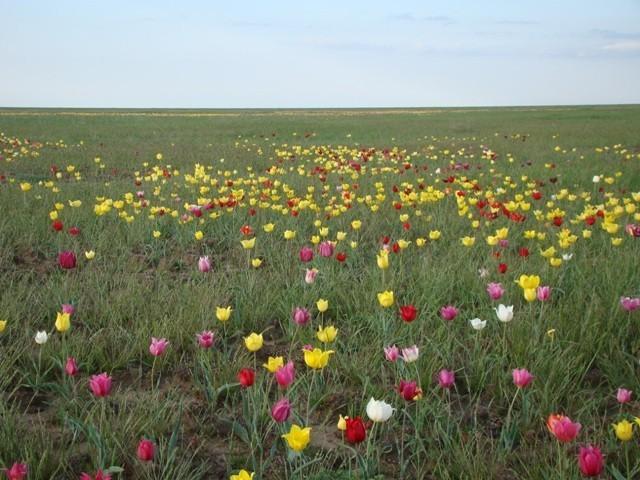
460 172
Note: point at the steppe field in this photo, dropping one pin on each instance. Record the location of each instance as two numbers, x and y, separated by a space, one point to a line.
320 294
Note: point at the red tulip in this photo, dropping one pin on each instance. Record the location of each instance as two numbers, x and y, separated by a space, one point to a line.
590 461
74 231
409 390
246 377
100 475
57 225
146 450
502 268
67 260
408 313
356 431
341 256
523 252
306 254
18 471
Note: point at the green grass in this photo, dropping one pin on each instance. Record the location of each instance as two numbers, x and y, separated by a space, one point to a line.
204 424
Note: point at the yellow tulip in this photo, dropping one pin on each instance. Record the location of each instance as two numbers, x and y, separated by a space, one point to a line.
315 239
385 298
253 342
383 259
90 255
468 241
3 325
256 262
555 262
25 186
342 423
289 234
327 334
624 430
317 358
223 313
249 243
527 282
273 364
323 305
156 234
298 438
434 234
63 322
549 252
340 236
242 475
268 228
530 294
199 235
356 224
403 244
421 242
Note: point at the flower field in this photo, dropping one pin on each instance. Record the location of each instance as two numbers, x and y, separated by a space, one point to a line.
434 294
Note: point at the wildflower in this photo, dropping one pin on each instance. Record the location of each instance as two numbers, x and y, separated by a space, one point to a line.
285 375
355 432
383 259
246 377
323 305
242 475
385 298
223 313
206 338
18 471
446 378
310 276
281 410
158 346
317 358
563 428
71 367
300 316
100 385
408 313
477 324
504 313
409 390
273 364
253 342
306 254
623 395
630 304
624 430
495 291
298 438
590 461
146 450
543 293
63 322
90 255
448 312
204 264
41 337
521 377
67 260
410 354
379 410
327 334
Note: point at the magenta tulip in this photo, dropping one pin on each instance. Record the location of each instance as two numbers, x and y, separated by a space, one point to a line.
306 254
448 312
495 291
521 377
286 374
100 385
206 338
446 378
281 410
158 346
204 264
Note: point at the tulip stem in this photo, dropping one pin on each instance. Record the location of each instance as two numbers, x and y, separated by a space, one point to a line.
153 367
313 377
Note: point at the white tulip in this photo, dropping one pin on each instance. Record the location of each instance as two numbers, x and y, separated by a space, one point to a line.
504 313
478 324
379 410
596 179
483 272
410 354
567 256
41 338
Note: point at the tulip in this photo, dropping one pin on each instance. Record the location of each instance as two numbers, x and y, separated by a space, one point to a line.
223 313
355 432
446 378
408 313
3 325
298 438
495 291
504 313
409 390
285 375
248 244
246 377
90 255
206 338
383 259
624 430
310 276
563 428
323 305
100 385
529 294
306 254
71 367
327 334
379 410
273 364
391 353
630 304
242 474
477 324
204 264
41 337
18 471
527 282
623 395
253 342
410 354
63 322
385 298
317 358
281 410
67 260
68 308
300 316
448 312
158 346
544 293
146 450
590 461
521 377
342 423
326 249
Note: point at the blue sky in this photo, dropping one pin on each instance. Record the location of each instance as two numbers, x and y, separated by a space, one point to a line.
318 54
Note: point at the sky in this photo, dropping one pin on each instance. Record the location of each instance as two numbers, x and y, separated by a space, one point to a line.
303 54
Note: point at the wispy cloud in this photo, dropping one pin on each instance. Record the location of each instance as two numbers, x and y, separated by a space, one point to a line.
516 22
410 17
626 46
613 34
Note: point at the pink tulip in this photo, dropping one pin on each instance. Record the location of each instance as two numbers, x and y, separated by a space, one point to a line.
504 243
633 230
446 378
495 291
630 304
146 450
18 471
306 254
448 312
285 375
300 316
391 353
100 385
204 264
326 249
158 346
100 475
281 410
590 461
623 395
206 338
71 367
310 275
68 308
543 293
521 377
563 428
